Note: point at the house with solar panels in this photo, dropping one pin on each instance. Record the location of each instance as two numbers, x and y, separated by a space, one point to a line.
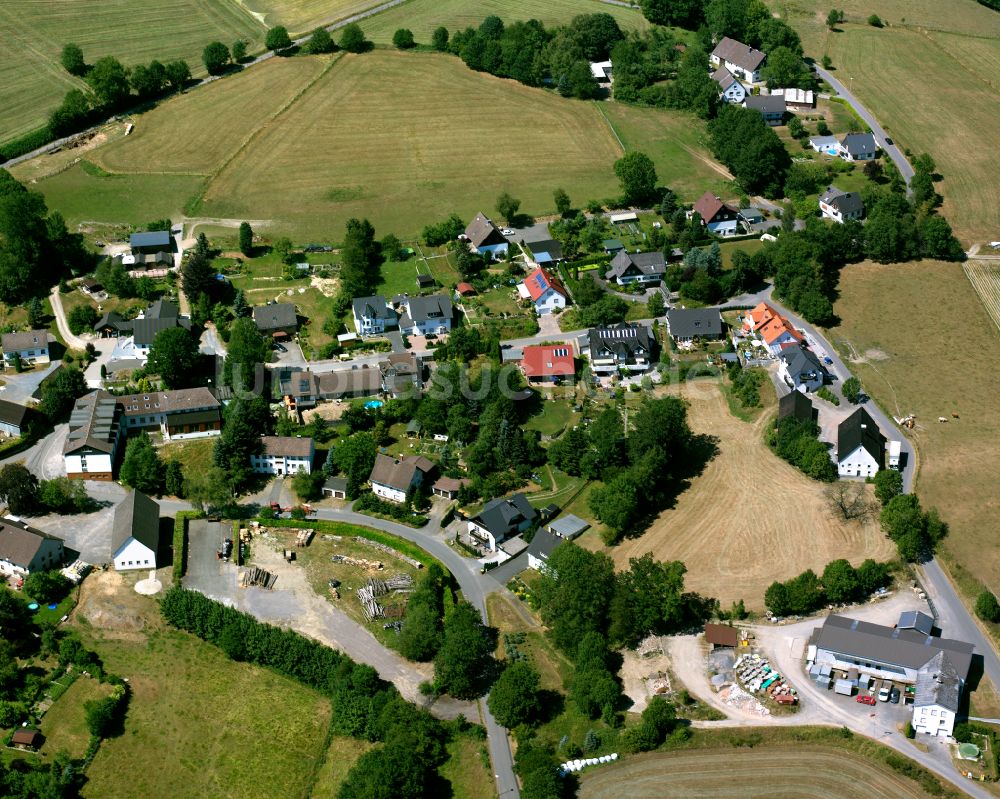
96 434
545 291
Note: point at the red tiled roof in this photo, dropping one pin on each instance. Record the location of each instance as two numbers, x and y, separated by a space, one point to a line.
548 361
708 205
540 281
465 288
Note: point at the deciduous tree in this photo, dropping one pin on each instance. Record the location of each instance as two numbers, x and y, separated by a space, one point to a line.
277 39
514 697
439 39
575 594
19 489
215 56
352 39
110 81
61 391
142 468
507 207
72 60
464 665
888 484
174 357
403 39
320 42
637 175
354 457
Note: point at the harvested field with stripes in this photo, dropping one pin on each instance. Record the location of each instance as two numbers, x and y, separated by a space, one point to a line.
985 279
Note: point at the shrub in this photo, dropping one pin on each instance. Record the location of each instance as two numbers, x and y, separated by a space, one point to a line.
828 395
875 21
987 607
82 319
403 39
181 521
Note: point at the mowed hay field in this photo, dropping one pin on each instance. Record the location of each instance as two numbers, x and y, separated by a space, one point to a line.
407 138
423 16
750 518
302 16
791 770
33 32
930 78
926 346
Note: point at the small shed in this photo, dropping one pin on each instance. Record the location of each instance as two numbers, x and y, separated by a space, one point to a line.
465 289
550 511
27 738
567 527
425 281
722 635
335 487
612 246
413 429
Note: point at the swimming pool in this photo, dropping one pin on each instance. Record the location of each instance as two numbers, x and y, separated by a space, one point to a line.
372 404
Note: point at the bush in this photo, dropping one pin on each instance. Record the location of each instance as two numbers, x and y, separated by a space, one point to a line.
403 39
82 319
852 390
875 21
372 505
987 607
46 587
828 395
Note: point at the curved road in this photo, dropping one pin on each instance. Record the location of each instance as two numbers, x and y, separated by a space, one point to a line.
891 149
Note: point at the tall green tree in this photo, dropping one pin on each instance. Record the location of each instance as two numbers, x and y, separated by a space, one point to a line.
197 276
246 419
514 697
320 42
247 350
109 81
464 665
36 313
238 51
246 239
648 598
637 175
61 391
149 81
208 488
354 457
72 115
352 39
575 594
178 74
18 489
562 201
174 357
72 60
215 57
840 581
507 207
403 39
277 38
142 468
682 13
888 484
439 39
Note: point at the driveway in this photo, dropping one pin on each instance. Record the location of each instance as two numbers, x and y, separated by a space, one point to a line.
73 342
23 388
88 534
211 343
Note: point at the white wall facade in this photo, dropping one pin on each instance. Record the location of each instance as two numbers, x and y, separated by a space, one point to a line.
388 493
483 534
84 464
933 720
886 671
280 464
134 555
734 93
36 355
550 301
859 463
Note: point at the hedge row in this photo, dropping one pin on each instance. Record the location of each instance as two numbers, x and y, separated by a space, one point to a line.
407 548
181 521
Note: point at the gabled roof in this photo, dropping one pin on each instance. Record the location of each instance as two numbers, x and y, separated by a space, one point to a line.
691 322
19 542
11 413
800 361
423 309
154 238
548 361
483 233
162 309
860 430
94 423
857 143
622 341
349 381
114 320
300 383
550 248
647 263
915 620
766 103
400 472
287 446
275 316
709 206
722 635
169 402
798 405
450 484
724 78
137 517
846 202
25 340
774 327
145 331
539 281
742 55
543 544
939 682
465 289
374 307
504 515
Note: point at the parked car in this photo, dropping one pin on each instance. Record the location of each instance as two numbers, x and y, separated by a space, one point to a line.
507 231
828 360
883 695
888 140
894 696
280 347
865 699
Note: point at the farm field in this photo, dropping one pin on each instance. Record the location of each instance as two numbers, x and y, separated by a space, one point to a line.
985 279
803 771
423 16
302 16
914 367
32 33
750 505
954 45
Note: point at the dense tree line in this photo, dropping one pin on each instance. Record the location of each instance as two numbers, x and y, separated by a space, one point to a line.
25 495
840 583
741 139
797 441
915 531
245 420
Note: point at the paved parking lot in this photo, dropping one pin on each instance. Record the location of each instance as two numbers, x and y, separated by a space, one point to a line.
881 714
205 572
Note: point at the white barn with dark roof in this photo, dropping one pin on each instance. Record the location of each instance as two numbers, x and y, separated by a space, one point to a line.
135 533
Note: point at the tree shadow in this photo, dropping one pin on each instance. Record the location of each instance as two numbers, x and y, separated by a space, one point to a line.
551 705
701 450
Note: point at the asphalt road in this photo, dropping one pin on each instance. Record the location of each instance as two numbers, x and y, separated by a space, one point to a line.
880 136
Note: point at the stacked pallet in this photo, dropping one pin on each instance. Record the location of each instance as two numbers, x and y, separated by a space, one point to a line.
303 537
258 577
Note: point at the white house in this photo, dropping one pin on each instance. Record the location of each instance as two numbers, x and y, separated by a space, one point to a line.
720 218
828 145
542 545
135 533
636 267
32 346
393 478
12 418
626 347
841 205
500 519
176 415
801 369
937 697
372 315
96 431
858 147
24 550
740 59
423 316
602 73
284 455
543 290
731 90
773 329
860 446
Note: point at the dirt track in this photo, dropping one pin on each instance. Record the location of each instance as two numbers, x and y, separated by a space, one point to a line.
803 772
749 518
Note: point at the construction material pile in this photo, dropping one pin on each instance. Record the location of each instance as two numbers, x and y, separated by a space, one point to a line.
389 551
364 564
258 577
375 588
303 537
736 697
756 674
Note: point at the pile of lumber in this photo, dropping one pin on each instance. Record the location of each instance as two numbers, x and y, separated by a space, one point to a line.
365 564
303 537
398 582
259 577
389 551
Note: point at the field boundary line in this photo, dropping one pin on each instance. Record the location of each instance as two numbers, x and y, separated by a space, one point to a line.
611 127
194 202
992 309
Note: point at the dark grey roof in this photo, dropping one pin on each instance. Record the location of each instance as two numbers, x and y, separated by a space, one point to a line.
94 422
483 233
621 341
910 649
766 103
374 307
646 263
336 484
19 542
550 246
114 320
797 404
503 515
724 78
802 363
612 245
735 52
144 331
276 316
860 430
162 309
11 413
847 202
939 682
195 417
138 517
543 544
915 620
690 322
298 383
154 238
858 143
422 309
425 280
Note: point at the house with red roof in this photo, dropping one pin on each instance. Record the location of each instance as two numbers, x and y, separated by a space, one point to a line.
548 363
720 218
465 289
544 290
773 329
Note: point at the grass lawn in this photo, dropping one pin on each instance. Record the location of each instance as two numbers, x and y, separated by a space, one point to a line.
76 298
339 759
64 725
940 53
555 416
553 667
749 246
401 277
32 81
468 768
423 16
13 315
195 455
917 368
